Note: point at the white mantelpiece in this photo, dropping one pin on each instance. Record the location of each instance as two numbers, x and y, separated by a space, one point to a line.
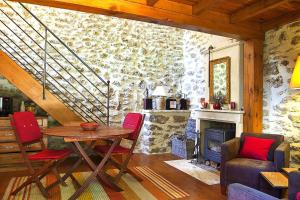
227 116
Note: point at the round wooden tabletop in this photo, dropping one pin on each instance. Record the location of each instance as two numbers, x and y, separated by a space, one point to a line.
75 133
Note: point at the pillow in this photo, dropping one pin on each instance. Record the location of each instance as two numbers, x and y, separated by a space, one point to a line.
298 196
256 148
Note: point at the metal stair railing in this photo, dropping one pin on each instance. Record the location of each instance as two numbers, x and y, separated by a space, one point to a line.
55 65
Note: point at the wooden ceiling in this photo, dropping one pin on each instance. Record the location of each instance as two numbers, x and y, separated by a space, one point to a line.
241 19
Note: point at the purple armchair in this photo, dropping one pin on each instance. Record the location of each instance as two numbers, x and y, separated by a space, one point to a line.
247 171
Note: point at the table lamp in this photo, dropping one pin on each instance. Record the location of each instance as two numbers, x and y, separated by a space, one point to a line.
160 93
295 80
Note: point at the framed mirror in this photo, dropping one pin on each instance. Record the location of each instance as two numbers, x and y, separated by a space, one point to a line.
219 79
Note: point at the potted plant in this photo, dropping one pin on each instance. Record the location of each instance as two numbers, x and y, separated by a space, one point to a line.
218 100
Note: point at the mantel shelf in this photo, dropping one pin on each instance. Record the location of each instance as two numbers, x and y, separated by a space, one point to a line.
227 116
221 111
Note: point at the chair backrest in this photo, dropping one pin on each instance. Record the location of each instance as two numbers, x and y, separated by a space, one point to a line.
133 121
277 138
26 127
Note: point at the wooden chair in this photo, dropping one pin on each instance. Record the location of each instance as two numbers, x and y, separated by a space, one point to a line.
132 121
28 132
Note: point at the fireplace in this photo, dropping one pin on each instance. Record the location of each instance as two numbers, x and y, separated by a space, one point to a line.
213 139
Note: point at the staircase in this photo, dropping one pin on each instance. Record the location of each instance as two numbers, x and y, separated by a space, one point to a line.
47 71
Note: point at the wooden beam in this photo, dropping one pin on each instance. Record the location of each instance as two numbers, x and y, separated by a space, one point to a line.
255 9
214 23
282 20
151 2
203 5
253 85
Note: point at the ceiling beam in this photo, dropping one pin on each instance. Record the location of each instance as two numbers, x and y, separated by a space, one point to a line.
282 20
151 2
255 9
203 5
213 22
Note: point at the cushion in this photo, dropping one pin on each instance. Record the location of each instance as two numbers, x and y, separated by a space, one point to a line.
247 171
256 148
26 126
278 140
298 196
49 154
105 148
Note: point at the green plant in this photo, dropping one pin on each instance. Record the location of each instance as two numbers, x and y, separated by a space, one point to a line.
219 98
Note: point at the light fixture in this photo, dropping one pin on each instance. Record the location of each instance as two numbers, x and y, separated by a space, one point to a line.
295 80
160 91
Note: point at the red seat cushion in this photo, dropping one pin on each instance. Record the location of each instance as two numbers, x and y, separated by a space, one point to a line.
256 148
26 126
105 148
49 154
298 196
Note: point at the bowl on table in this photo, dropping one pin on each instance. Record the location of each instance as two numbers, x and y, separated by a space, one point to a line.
89 126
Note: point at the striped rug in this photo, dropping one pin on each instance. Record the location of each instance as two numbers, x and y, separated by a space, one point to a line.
133 190
170 189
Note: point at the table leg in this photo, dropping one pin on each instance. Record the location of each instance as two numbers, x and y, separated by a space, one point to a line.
97 169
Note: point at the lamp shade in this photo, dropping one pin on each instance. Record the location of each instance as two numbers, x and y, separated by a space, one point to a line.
160 91
295 80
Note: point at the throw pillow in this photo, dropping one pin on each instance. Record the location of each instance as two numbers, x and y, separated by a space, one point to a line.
256 148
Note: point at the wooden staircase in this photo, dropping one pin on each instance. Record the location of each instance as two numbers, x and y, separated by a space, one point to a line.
16 75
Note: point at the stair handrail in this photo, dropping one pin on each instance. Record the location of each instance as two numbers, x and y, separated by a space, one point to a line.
38 71
46 42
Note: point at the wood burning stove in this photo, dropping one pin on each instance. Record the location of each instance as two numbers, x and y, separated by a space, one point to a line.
213 139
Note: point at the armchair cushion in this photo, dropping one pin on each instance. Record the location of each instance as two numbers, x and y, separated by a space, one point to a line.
247 171
256 148
298 196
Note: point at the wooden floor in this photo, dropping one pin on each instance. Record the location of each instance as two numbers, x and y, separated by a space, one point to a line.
196 189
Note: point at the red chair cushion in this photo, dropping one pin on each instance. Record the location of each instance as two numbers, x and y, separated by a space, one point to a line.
298 196
105 148
256 148
49 154
26 126
133 121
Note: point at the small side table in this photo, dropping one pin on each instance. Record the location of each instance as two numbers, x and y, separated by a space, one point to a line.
277 180
288 170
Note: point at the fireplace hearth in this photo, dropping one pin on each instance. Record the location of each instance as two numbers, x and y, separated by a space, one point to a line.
213 139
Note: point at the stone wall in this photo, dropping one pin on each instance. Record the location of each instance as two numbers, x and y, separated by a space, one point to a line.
281 103
159 127
132 55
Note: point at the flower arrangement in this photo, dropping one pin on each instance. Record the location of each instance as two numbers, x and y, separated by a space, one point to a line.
218 100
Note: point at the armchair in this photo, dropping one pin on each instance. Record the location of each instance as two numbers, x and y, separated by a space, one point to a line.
237 191
246 171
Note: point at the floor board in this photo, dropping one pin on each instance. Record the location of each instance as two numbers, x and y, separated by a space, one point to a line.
196 189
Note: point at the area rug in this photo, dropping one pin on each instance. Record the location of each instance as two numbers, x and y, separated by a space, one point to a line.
133 190
203 173
170 189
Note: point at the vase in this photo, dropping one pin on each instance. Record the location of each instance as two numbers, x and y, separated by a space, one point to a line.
22 106
217 106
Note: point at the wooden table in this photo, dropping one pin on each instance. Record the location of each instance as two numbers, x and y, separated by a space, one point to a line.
276 179
74 135
289 170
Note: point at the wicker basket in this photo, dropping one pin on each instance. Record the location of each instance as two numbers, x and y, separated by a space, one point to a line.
183 148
